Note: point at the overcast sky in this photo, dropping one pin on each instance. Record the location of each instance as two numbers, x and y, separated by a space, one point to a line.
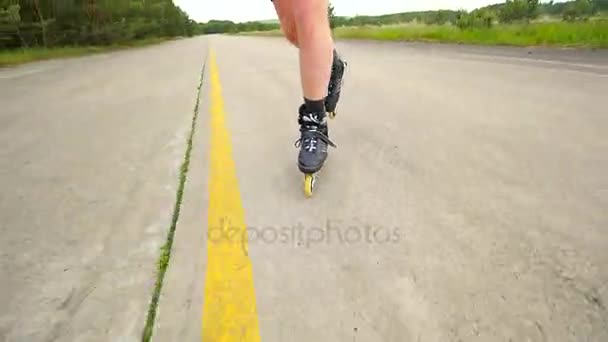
246 10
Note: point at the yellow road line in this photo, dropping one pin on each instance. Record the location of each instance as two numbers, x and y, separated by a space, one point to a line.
229 312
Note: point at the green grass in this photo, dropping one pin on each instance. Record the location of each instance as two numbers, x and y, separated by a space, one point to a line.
593 33
271 33
165 256
21 56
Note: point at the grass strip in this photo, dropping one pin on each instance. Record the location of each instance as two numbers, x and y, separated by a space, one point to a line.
165 256
22 56
591 34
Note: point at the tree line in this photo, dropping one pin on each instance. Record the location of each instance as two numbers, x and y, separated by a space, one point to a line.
527 10
227 26
50 23
508 12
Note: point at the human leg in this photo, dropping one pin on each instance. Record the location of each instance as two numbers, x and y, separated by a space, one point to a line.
287 20
315 52
315 47
305 24
286 15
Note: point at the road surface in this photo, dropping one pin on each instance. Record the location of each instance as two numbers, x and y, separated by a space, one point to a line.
467 199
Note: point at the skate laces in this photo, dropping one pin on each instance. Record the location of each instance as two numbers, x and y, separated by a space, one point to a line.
311 133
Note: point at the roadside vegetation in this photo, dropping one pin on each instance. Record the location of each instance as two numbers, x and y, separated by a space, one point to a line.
578 23
43 29
559 34
20 56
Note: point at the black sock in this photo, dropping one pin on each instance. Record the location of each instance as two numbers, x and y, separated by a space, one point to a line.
316 106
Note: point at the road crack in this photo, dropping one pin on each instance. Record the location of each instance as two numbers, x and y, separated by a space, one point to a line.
163 261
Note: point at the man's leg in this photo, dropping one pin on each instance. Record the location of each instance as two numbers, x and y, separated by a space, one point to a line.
316 55
286 17
319 64
316 48
287 20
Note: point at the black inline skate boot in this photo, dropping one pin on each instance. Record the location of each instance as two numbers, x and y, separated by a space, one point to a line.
336 80
314 140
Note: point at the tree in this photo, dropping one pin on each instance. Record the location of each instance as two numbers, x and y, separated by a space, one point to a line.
513 10
40 16
9 23
331 16
584 8
533 7
477 18
439 17
600 5
570 13
52 23
579 9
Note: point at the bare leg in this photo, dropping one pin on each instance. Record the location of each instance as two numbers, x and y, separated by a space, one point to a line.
316 47
287 17
287 20
305 24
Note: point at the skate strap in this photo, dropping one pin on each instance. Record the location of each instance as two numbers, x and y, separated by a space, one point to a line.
316 134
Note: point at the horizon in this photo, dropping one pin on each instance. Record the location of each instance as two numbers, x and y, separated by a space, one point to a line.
258 11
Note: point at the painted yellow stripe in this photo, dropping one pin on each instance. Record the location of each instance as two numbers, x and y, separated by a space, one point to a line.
229 313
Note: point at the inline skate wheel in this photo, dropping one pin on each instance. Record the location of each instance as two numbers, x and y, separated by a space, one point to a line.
331 115
309 184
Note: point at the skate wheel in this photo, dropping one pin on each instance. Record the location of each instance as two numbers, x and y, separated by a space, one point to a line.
331 115
309 184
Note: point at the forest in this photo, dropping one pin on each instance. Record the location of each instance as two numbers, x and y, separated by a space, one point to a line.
506 12
52 23
59 23
509 11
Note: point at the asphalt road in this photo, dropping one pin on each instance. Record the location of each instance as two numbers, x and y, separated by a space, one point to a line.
467 199
89 168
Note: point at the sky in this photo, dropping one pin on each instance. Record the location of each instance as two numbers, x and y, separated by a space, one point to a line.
249 10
